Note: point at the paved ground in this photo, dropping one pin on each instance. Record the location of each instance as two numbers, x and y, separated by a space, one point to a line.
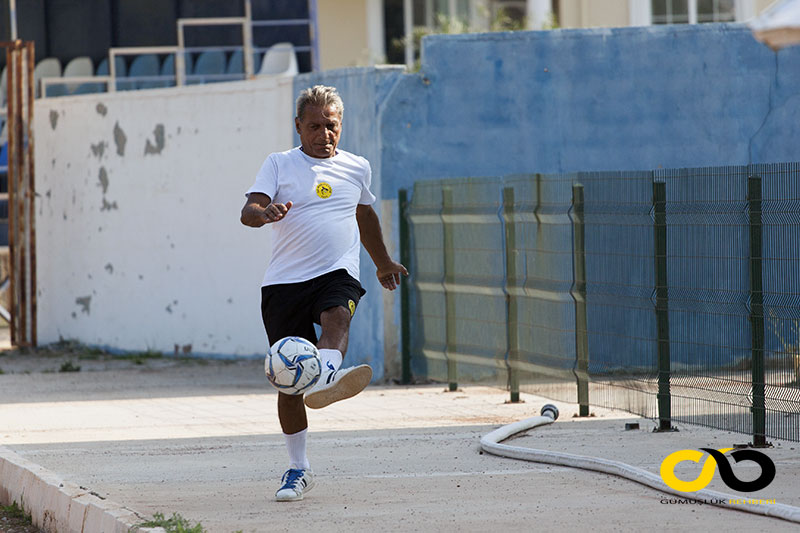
201 439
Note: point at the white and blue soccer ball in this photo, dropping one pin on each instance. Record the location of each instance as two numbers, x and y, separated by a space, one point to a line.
293 365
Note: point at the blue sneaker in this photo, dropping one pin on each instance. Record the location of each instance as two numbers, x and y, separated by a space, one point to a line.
296 482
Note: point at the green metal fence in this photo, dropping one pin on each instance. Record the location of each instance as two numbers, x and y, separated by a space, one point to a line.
671 294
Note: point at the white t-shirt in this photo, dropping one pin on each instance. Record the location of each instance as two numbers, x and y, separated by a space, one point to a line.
319 234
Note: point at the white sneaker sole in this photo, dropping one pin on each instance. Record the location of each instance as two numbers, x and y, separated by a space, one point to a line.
345 387
296 497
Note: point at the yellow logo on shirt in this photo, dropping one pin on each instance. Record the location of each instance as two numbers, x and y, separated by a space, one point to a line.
352 305
324 190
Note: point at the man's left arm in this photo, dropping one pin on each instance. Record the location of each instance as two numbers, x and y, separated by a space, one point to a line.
372 238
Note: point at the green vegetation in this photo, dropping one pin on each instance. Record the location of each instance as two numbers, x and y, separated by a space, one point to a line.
15 511
175 524
140 357
69 366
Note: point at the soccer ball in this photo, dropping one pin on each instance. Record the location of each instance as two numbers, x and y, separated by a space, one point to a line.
292 365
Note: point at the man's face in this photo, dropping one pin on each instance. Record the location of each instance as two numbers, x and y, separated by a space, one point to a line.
319 131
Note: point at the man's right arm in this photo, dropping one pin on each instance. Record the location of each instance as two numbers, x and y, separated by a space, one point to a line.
259 210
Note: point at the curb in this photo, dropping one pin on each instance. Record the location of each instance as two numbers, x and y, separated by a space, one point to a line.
57 506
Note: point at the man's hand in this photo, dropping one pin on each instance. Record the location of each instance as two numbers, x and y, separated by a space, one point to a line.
259 210
389 275
275 212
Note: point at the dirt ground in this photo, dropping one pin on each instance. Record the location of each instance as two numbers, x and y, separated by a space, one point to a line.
200 438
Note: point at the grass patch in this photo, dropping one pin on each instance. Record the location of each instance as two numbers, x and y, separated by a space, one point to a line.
15 511
69 366
141 357
175 524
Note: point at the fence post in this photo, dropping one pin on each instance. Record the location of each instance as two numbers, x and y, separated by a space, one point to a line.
405 259
578 293
512 323
757 311
662 306
449 298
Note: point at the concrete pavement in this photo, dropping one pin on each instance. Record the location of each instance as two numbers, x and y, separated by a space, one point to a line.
201 438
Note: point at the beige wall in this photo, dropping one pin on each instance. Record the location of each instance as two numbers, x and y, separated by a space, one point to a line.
343 38
593 13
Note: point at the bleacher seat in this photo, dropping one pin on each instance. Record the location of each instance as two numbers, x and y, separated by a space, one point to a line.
80 66
279 60
236 64
3 85
168 68
145 66
210 67
90 88
56 89
46 68
121 70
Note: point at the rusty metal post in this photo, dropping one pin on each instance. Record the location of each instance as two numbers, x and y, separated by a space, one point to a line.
19 178
20 60
11 58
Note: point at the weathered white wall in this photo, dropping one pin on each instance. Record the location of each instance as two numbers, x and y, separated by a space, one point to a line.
139 244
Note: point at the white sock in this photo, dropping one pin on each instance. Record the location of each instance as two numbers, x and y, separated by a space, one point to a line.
330 358
296 446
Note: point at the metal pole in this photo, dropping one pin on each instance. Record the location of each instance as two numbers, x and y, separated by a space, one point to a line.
180 59
247 37
579 295
31 194
111 86
662 306
405 259
19 178
757 311
313 14
408 26
449 298
512 323
12 16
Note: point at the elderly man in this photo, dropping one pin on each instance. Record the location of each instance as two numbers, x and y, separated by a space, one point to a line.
319 201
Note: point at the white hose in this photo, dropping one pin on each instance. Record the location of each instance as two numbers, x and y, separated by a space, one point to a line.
491 443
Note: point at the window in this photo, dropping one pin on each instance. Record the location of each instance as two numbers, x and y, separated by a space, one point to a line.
670 12
698 11
514 9
716 11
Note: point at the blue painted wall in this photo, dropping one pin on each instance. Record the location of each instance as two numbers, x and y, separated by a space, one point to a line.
588 100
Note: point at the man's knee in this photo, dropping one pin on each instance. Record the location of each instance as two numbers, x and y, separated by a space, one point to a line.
338 316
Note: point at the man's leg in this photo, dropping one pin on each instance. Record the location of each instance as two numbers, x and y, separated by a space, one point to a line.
332 344
282 311
335 384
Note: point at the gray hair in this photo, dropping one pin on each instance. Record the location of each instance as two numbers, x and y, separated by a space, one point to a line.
319 96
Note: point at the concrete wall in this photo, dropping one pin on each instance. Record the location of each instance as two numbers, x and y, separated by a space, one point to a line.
138 236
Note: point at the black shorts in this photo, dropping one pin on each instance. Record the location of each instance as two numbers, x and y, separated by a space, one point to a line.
292 309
